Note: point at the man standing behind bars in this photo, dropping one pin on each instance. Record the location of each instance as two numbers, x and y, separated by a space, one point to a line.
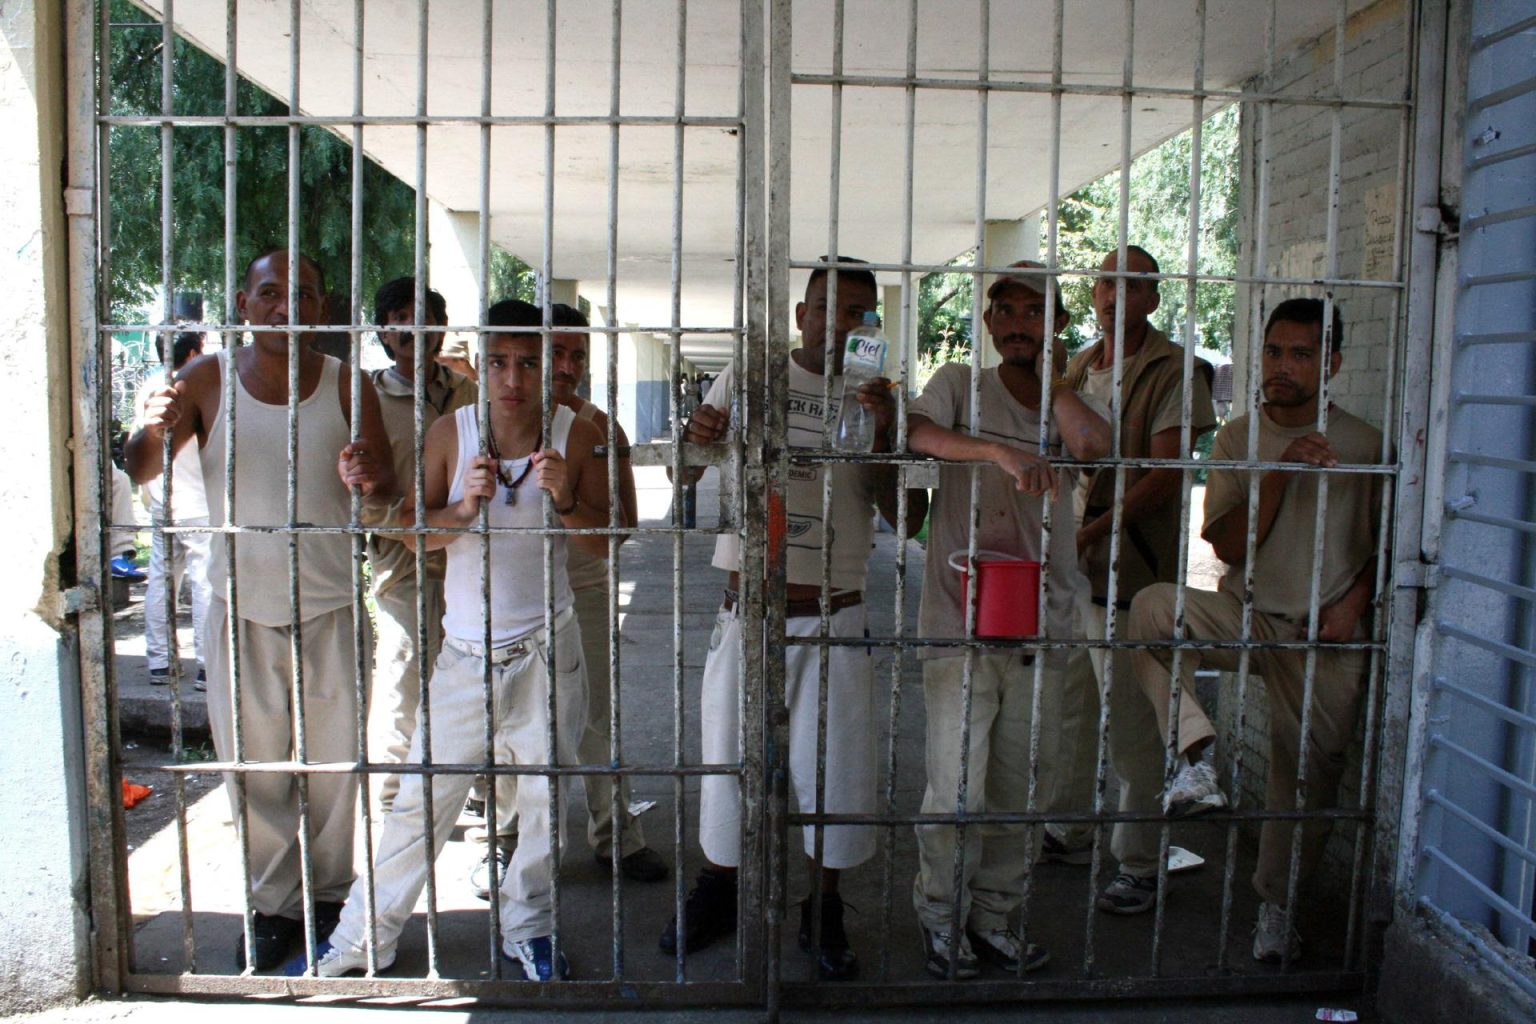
1283 574
1152 390
1002 682
396 672
328 465
850 776
522 462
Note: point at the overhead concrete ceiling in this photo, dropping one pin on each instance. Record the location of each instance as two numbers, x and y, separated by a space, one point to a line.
873 123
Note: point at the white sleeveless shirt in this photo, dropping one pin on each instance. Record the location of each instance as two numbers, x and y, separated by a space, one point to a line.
261 499
517 560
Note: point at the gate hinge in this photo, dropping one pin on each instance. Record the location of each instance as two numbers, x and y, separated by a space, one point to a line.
1437 220
79 202
79 599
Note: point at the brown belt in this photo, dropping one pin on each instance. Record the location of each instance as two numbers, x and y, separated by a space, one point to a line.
806 607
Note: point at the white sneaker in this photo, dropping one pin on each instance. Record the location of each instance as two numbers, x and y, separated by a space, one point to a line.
936 954
1193 791
1005 948
336 962
1270 939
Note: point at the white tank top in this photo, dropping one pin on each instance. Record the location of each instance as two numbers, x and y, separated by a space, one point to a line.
587 572
261 499
517 560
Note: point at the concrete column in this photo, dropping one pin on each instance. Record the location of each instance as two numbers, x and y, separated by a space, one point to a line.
893 302
453 263
45 956
1004 242
565 289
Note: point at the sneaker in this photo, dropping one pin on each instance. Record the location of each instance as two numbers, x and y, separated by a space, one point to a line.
474 807
1193 791
124 567
159 676
1004 948
1128 894
480 874
533 957
335 962
1271 942
642 865
936 953
274 936
1054 851
835 961
200 684
327 916
709 913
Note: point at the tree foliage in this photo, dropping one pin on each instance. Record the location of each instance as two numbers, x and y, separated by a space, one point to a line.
1088 226
261 191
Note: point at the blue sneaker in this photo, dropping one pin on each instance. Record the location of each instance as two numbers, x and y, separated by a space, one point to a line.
125 568
532 957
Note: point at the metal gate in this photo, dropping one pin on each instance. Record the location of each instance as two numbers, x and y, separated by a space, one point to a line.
784 185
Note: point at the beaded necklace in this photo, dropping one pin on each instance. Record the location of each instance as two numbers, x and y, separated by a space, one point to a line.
501 474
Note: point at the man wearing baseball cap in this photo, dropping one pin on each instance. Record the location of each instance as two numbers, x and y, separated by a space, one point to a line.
1152 384
1023 316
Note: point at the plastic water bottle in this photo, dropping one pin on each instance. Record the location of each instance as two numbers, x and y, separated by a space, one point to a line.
863 361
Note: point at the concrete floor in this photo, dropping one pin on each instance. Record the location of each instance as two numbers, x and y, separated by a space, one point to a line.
1092 952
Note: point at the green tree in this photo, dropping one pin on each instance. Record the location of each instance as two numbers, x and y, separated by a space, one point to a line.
136 60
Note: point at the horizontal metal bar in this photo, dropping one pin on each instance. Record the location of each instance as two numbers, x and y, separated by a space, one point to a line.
1493 99
950 268
1509 714
346 529
819 456
415 121
392 768
1503 522
1493 771
1528 401
1493 899
222 328
898 994
1070 817
1508 651
1488 160
1497 338
1434 796
1494 461
1034 643
1499 217
978 85
575 994
1512 277
1498 35
1479 580
1495 958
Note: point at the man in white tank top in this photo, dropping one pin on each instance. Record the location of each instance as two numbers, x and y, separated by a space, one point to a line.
329 464
848 783
589 586
519 661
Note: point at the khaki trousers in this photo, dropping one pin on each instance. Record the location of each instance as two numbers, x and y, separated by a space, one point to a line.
1069 761
996 858
1338 686
396 693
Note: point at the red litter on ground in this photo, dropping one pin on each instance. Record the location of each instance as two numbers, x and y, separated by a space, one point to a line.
133 793
1007 594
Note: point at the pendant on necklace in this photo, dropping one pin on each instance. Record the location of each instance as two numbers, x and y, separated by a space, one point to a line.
511 496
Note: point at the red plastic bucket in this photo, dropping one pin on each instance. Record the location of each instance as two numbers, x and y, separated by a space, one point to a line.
1007 594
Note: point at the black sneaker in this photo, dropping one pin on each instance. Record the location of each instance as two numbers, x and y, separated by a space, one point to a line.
1005 948
709 913
1054 851
200 684
327 916
274 936
159 676
835 961
642 865
1128 894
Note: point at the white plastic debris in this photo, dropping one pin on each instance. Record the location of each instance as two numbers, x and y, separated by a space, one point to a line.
639 807
1329 1013
1180 859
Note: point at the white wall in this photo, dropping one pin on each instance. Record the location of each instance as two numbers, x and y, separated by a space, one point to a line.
43 928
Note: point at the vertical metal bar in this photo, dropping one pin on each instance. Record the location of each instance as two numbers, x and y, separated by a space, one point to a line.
898 618
616 809
88 169
1250 541
675 309
482 416
1116 415
360 620
1309 678
765 478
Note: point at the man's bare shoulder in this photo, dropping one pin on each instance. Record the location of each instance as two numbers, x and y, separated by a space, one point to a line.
584 436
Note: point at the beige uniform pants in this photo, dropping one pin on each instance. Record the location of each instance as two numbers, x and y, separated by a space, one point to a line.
1069 757
996 860
396 693
1337 688
267 734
